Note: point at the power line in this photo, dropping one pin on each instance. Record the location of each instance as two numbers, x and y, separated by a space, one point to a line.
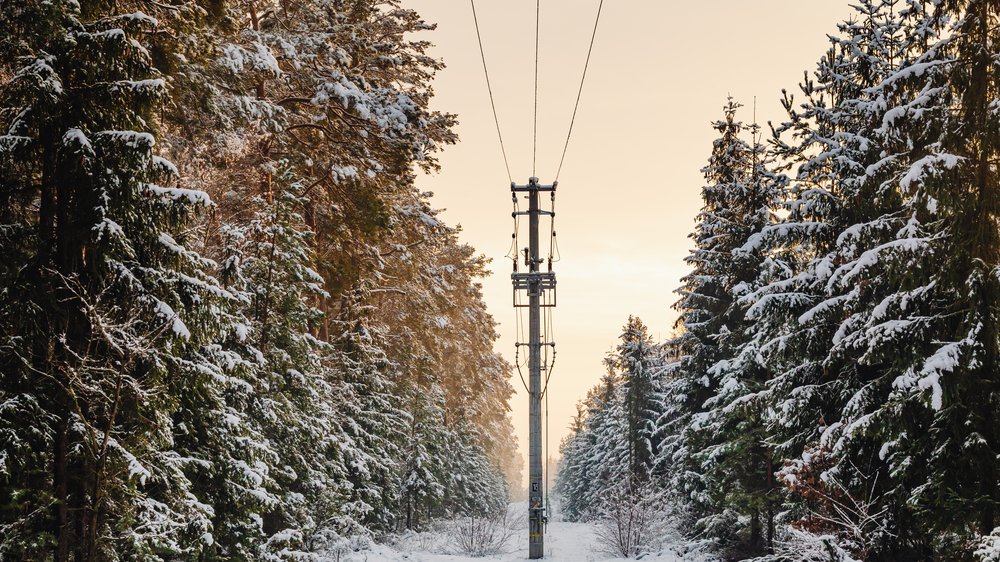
580 91
534 144
489 88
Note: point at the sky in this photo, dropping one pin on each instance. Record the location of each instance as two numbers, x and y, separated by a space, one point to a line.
660 73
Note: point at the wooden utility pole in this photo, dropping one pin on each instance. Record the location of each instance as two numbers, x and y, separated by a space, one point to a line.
535 283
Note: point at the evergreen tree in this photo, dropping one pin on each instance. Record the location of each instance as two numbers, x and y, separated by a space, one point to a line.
635 360
570 480
714 448
372 421
737 457
938 402
174 416
108 307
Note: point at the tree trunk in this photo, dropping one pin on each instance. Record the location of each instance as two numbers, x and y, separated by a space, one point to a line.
755 534
61 488
770 502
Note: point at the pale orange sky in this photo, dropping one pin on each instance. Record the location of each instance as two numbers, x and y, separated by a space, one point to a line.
630 187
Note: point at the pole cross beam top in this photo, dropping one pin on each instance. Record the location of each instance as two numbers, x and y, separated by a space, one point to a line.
534 283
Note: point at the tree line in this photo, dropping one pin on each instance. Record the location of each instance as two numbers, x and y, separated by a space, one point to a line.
231 327
832 390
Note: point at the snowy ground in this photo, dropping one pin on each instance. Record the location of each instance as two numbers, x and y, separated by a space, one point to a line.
564 542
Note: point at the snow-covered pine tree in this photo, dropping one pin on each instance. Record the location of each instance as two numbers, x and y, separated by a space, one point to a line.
351 113
108 309
635 359
371 228
934 334
736 455
838 206
718 471
217 135
429 295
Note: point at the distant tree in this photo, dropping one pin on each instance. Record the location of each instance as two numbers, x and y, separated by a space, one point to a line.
635 358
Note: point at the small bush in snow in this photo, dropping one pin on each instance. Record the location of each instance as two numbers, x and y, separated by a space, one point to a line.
478 535
633 521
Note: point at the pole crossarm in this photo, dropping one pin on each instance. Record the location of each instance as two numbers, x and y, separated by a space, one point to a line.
533 185
542 280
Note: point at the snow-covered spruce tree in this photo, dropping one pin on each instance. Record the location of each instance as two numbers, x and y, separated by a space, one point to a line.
612 448
935 333
794 314
828 141
736 455
293 409
713 449
903 290
841 203
635 358
573 450
370 414
422 478
106 309
611 453
429 296
475 486
704 301
598 456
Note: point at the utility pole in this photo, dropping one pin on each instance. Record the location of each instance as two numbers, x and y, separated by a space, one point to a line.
535 283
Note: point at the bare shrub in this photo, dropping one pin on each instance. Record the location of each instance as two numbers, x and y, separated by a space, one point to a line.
633 521
479 536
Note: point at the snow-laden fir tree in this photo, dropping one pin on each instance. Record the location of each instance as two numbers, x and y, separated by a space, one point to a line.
934 334
835 208
713 447
635 358
105 309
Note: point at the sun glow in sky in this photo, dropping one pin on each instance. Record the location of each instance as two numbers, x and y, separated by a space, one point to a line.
630 188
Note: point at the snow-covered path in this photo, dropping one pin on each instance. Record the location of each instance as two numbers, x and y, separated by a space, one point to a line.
564 542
